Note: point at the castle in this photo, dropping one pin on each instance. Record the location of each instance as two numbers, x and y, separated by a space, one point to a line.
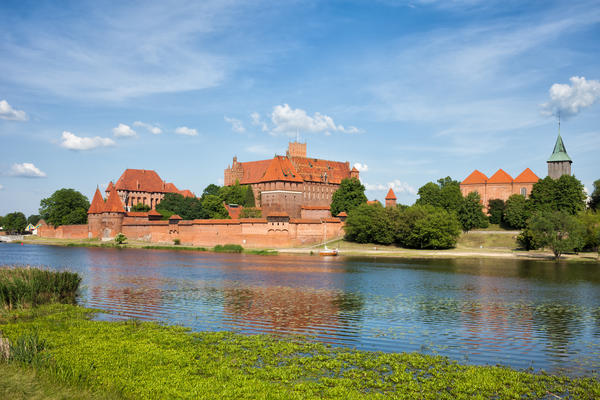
501 185
294 184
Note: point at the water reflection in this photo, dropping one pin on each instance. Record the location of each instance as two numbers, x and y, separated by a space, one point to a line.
518 313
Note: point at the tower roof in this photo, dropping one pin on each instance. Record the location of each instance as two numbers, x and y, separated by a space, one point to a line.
390 195
500 177
527 176
97 206
475 177
114 203
281 169
560 152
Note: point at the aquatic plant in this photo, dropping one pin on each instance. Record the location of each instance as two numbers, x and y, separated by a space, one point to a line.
29 287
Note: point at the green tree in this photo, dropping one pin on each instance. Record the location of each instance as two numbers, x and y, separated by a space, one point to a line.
563 194
557 230
249 200
211 189
591 223
595 197
445 194
33 219
213 206
186 207
369 223
496 210
139 207
349 195
14 222
233 194
1 221
516 212
470 213
120 239
438 229
65 207
429 194
251 212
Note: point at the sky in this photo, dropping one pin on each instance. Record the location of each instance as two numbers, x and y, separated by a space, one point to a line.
407 91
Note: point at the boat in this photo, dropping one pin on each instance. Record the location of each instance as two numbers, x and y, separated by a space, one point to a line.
328 252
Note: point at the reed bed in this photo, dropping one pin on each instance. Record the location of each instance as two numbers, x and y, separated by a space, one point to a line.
30 287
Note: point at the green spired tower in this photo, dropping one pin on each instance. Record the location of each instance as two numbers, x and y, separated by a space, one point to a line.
559 163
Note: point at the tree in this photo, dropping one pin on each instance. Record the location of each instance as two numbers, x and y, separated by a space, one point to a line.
139 207
515 211
563 194
591 223
186 207
14 222
1 221
65 207
211 189
120 239
349 195
438 229
595 197
470 213
369 223
445 194
213 206
249 200
250 212
233 194
558 230
33 219
429 194
496 210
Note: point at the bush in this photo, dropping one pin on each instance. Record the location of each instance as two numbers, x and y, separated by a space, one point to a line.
177 241
251 212
120 239
228 248
369 223
139 207
427 227
557 230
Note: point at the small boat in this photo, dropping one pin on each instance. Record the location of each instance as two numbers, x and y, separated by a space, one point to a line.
328 252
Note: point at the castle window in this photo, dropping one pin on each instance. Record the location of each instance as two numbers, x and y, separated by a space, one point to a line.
524 192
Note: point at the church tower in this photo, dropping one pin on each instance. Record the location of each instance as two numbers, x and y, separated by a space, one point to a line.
559 163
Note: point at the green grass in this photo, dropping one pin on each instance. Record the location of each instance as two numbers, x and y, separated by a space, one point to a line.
190 248
29 287
142 360
261 252
228 248
479 240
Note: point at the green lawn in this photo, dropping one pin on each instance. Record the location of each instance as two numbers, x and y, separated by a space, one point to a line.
151 361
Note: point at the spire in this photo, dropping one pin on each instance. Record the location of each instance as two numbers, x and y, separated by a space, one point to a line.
113 202
560 152
390 195
97 206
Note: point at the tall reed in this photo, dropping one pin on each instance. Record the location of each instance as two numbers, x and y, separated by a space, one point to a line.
29 287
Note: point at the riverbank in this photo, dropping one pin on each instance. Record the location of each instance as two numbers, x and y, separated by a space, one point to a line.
474 244
147 360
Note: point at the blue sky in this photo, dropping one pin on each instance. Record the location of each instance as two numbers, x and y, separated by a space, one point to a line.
410 90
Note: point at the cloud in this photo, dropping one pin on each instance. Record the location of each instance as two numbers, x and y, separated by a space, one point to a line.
26 170
236 125
568 100
1 187
184 130
149 127
9 113
257 121
397 185
361 167
123 131
290 121
74 142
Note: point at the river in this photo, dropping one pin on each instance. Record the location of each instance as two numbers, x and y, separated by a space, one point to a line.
524 314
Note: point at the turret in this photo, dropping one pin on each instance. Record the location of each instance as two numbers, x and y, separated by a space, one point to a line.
390 199
559 163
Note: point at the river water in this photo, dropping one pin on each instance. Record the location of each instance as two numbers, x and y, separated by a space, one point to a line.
524 314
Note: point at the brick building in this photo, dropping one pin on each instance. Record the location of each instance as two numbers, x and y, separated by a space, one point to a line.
288 183
141 186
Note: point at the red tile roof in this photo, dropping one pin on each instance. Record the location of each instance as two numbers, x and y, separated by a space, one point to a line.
278 214
187 193
170 188
175 217
143 180
114 203
527 176
97 206
253 171
373 202
281 169
137 214
474 178
390 195
314 169
154 213
500 177
109 187
342 214
315 207
234 212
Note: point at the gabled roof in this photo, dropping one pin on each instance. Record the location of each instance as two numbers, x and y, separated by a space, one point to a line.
97 206
143 180
315 169
154 213
281 169
560 152
342 214
187 193
527 176
175 217
253 171
170 188
390 195
500 177
474 178
113 202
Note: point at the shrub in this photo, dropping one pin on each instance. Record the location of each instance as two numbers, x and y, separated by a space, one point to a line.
369 223
228 248
177 241
120 239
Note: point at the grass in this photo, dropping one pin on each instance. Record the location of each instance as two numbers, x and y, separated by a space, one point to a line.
228 248
189 248
479 240
29 287
148 360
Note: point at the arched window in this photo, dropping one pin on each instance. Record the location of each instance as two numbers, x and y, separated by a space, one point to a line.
524 192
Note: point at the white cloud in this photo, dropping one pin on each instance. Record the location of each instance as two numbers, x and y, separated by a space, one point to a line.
123 131
290 121
257 120
149 127
397 185
184 130
1 187
568 100
9 113
236 125
361 167
26 170
74 142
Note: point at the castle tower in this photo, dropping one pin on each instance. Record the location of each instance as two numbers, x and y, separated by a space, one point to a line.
112 217
559 163
95 215
390 199
296 149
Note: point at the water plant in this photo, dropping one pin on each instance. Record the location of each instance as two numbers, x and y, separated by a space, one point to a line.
28 287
